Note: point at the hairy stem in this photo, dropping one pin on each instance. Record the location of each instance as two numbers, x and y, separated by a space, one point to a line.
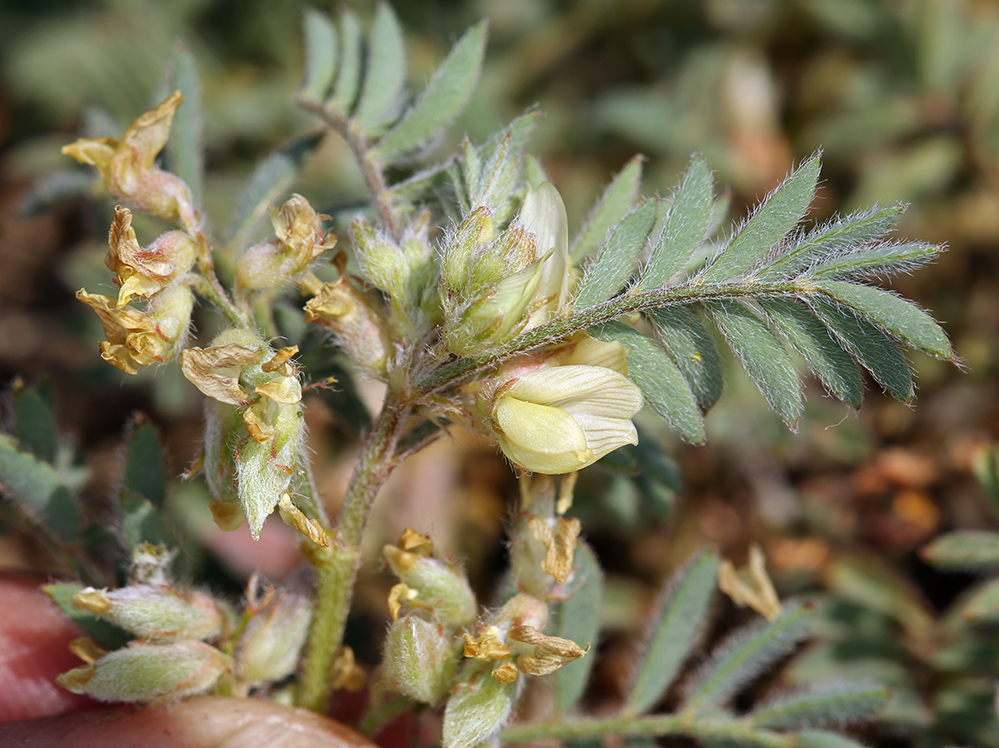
648 726
560 328
370 169
336 567
212 288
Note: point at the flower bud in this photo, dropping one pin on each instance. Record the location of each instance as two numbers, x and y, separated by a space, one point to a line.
127 166
139 338
436 585
272 641
420 658
156 613
299 242
149 672
359 328
478 707
144 272
476 231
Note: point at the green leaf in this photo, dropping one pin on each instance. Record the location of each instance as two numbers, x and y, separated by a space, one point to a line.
272 178
764 358
983 603
771 222
142 523
887 258
320 54
442 100
832 240
578 618
898 316
836 703
834 366
674 631
348 71
660 380
693 350
145 468
825 739
877 352
385 75
748 653
34 425
986 469
616 260
105 635
185 147
34 486
964 549
685 226
616 202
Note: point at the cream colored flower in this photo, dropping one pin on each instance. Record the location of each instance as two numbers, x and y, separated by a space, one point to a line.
144 272
544 215
136 338
127 165
567 412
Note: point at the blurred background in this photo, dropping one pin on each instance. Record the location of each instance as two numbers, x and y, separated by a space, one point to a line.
901 96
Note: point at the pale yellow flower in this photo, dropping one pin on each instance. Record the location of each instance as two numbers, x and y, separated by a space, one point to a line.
139 338
127 166
144 272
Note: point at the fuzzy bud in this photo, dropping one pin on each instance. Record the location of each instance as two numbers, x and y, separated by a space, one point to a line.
155 613
420 658
128 170
149 672
437 586
269 647
478 707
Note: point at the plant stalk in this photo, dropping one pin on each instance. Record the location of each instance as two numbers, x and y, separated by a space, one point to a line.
336 567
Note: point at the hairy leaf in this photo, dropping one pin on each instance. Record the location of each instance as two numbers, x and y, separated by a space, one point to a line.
145 468
674 631
349 68
886 258
34 424
763 356
964 549
983 603
834 366
660 380
684 228
442 100
320 54
616 202
877 352
577 618
770 223
185 147
385 74
142 523
832 240
690 345
746 654
825 739
896 315
835 703
615 262
35 487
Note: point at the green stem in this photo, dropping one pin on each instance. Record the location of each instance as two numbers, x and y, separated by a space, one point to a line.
370 168
212 288
648 726
560 328
336 567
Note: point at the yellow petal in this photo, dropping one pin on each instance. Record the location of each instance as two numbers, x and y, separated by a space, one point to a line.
540 438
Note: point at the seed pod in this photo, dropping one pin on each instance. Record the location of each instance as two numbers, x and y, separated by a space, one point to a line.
420 658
